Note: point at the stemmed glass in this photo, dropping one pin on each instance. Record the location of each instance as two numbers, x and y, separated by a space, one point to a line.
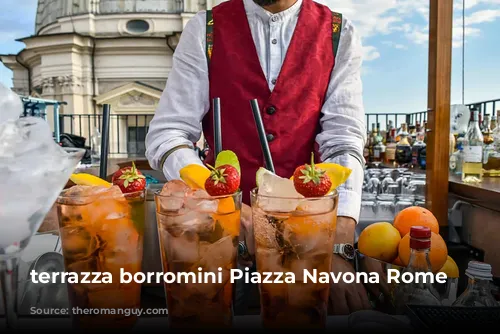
32 178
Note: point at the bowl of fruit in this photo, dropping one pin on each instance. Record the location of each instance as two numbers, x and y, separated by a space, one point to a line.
384 246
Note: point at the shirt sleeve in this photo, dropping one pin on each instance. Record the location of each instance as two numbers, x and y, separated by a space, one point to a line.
343 131
183 104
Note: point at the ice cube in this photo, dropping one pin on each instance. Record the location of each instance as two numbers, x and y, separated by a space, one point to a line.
184 248
199 200
11 105
269 260
77 242
278 194
218 254
316 206
175 188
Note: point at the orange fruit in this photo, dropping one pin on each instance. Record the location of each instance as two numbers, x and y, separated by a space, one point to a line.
438 254
450 268
380 241
415 216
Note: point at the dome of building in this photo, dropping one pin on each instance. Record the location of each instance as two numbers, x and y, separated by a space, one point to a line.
49 11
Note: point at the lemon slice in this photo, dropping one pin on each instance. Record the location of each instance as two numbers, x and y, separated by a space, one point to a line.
195 175
83 179
338 174
228 158
260 175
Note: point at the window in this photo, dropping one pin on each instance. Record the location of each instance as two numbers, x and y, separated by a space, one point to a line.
137 26
136 144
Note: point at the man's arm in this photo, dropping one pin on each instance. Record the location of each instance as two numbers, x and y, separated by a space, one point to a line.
343 134
184 103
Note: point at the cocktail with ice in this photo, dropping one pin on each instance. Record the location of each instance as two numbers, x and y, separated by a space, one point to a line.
101 228
294 233
198 226
34 170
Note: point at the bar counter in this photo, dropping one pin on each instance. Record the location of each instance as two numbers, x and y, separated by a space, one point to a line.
485 194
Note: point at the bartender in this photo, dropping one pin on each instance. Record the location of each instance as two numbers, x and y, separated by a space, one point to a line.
302 62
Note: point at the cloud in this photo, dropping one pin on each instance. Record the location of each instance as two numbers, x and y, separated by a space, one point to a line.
395 45
409 19
370 53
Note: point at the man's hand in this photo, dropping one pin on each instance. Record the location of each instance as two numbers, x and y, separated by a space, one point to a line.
346 298
246 233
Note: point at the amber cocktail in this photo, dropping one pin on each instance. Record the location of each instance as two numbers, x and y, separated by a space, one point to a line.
198 233
293 235
101 230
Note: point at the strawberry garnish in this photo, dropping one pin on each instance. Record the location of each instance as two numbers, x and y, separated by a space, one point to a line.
129 179
311 181
223 180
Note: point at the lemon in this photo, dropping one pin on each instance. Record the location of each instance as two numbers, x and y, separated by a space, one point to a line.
338 174
450 268
83 179
195 175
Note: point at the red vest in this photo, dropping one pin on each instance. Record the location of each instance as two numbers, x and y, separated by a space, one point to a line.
291 112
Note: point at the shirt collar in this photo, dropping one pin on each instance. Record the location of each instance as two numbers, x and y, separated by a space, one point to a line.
252 8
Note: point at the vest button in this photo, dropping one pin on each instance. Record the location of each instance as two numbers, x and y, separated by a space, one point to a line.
271 110
270 137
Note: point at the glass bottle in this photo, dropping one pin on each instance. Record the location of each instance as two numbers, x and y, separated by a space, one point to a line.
417 147
403 149
95 150
456 160
472 167
478 291
390 149
491 166
373 135
417 292
378 148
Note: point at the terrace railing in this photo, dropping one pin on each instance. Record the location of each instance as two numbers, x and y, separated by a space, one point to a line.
127 132
490 107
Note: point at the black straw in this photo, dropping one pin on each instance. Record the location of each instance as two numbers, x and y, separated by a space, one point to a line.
262 135
103 168
217 126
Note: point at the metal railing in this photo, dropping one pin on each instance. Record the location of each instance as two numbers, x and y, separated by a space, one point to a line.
484 107
127 132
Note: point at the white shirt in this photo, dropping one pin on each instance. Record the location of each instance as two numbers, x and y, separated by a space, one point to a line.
185 100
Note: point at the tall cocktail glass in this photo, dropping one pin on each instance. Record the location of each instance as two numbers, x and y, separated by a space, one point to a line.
293 235
198 233
101 230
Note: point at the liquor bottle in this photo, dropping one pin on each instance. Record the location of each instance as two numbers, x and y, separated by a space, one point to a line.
417 147
379 147
472 167
456 160
478 291
418 292
491 165
403 149
494 123
373 135
486 123
390 150
412 134
388 133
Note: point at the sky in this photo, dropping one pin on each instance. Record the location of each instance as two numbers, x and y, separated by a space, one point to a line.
394 34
